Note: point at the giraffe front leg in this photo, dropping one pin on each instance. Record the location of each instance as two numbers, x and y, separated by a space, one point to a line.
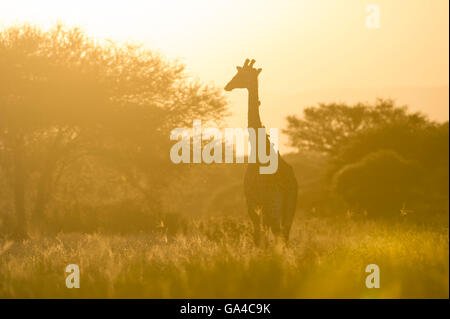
255 214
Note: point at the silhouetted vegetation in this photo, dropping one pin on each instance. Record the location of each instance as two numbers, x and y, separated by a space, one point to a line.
84 144
84 123
381 160
86 177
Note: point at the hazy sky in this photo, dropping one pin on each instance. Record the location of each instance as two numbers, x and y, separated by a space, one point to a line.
308 49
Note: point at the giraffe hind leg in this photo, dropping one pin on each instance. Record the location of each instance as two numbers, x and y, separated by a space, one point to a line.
288 214
273 212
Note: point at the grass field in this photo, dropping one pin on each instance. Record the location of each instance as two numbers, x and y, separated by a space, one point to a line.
215 258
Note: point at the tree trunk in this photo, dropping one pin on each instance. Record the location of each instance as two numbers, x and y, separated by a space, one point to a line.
43 192
44 187
19 188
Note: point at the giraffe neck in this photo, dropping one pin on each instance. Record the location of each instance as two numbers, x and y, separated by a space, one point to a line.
254 121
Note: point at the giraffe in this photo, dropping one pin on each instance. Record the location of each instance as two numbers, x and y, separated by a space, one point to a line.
271 198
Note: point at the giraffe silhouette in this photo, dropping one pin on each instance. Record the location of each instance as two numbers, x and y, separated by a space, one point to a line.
271 198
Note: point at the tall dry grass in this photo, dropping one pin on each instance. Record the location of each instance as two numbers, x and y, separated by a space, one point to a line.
216 258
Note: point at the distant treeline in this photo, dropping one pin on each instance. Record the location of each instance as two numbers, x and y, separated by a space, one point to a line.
84 144
381 160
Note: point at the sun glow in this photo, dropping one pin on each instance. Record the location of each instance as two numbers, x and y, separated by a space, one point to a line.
154 21
310 51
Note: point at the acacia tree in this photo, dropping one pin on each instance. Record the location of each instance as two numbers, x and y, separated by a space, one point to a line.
64 95
378 154
328 127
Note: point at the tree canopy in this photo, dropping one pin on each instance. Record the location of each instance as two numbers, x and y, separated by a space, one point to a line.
65 96
380 156
328 127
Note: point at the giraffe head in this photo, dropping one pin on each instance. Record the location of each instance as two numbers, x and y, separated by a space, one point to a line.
245 78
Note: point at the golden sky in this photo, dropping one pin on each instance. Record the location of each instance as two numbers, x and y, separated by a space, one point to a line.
310 51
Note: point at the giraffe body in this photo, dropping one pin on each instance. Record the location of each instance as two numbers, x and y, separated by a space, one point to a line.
271 199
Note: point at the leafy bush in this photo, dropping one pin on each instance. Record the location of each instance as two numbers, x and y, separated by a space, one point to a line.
382 183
